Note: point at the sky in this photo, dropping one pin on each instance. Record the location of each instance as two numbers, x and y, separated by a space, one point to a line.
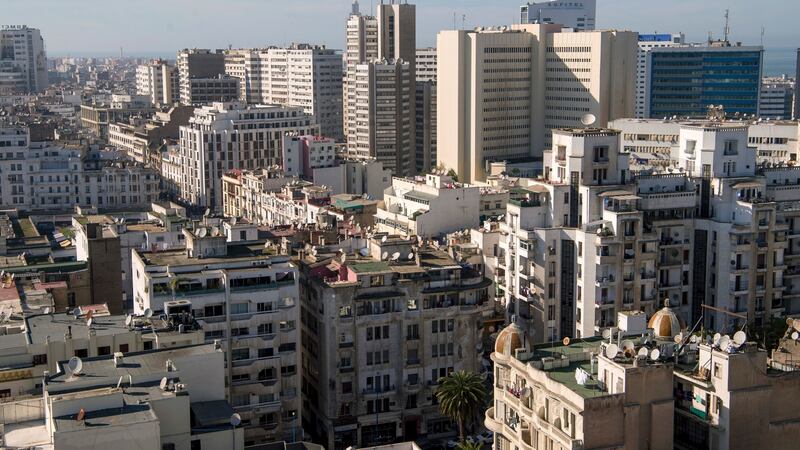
160 27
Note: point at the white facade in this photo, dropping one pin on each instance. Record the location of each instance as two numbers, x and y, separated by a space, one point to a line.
579 14
159 81
36 176
302 75
501 92
23 62
230 136
358 177
426 64
247 299
303 154
429 207
776 97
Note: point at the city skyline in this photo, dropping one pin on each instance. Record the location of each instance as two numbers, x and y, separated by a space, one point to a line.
71 27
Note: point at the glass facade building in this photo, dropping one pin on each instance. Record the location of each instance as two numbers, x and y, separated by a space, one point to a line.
684 81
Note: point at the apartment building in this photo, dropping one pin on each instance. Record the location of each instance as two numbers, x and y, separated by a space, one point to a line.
38 176
775 141
231 136
507 89
776 97
648 42
301 75
34 344
383 321
244 296
158 80
581 395
303 154
426 64
97 115
579 15
23 60
205 67
143 142
380 87
262 200
355 176
432 206
121 402
425 126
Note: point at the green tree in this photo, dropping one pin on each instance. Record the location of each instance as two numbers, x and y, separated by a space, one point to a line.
461 396
464 445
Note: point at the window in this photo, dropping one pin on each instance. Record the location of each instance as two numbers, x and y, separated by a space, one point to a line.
39 359
195 445
105 350
717 370
81 353
148 345
168 446
239 354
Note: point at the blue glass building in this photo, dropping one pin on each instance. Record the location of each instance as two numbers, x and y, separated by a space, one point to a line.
684 81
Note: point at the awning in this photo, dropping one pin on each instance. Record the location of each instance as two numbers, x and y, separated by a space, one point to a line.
613 193
747 184
627 197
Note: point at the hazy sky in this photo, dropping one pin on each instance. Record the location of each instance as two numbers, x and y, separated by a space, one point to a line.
145 27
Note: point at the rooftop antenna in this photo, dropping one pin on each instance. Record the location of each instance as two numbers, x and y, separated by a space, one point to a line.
395 256
163 384
727 31
148 313
203 232
236 420
588 120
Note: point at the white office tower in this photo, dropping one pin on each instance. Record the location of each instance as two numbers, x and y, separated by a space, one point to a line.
380 87
776 97
228 136
501 91
23 62
647 42
426 64
158 80
575 14
425 116
301 75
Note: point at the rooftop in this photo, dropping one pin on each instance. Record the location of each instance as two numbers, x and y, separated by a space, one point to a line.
235 253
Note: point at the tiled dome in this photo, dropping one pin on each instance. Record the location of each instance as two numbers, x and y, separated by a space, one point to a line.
510 339
665 323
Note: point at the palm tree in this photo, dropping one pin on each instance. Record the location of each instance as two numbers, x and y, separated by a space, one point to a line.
464 445
461 396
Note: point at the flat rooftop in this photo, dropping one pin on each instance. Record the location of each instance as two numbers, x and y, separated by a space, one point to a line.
55 326
235 253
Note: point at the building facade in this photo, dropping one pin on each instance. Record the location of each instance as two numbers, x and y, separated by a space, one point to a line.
776 97
159 80
648 42
23 60
579 15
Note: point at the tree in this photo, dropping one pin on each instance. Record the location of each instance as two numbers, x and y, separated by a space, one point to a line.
465 445
461 396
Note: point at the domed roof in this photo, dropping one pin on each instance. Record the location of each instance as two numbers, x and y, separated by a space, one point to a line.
665 323
510 338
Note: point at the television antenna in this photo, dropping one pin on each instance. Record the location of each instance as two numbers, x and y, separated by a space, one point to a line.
202 232
607 333
411 256
795 335
395 256
344 257
715 340
724 342
611 351
384 239
207 212
385 256
75 365
655 354
234 221
739 338
642 352
565 341
163 384
215 231
128 320
148 313
236 420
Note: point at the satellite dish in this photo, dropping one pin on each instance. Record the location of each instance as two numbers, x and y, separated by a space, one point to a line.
202 232
163 384
694 339
411 256
580 376
148 313
344 257
234 221
76 312
642 352
363 252
724 342
795 335
607 333
716 338
128 320
89 322
395 256
565 341
47 310
655 354
236 419
207 213
588 120
628 345
678 338
385 255
81 415
384 239
740 337
215 231
75 365
611 351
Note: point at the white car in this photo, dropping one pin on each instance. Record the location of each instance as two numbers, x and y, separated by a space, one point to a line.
485 437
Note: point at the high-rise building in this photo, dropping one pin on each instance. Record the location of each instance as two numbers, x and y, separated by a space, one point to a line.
245 297
796 109
301 75
380 86
202 78
673 93
426 64
425 127
227 136
23 61
501 91
648 42
776 97
381 330
578 14
159 80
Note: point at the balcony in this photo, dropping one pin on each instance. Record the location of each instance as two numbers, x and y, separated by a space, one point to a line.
492 424
378 390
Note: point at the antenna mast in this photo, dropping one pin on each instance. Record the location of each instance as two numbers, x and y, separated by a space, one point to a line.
727 30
